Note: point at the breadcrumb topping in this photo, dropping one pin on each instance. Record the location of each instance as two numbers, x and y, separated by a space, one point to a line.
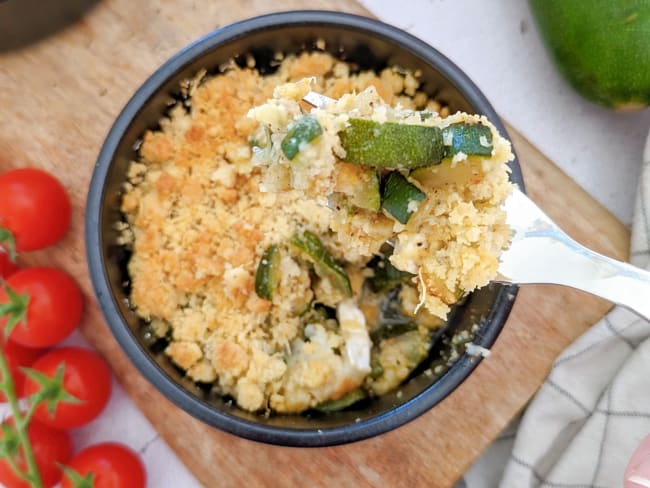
199 215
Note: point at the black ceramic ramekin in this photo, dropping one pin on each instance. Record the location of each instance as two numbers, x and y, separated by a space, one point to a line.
370 45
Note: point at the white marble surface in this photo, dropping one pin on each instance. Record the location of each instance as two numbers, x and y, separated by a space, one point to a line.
499 48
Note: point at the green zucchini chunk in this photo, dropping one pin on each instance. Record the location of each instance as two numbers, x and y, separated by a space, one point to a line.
302 132
386 276
345 401
400 197
360 185
391 144
324 263
468 139
391 329
267 276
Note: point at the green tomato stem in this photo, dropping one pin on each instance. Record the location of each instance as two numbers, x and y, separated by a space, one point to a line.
8 240
33 476
15 309
27 416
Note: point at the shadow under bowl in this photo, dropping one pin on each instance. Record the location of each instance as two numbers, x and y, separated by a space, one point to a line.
367 44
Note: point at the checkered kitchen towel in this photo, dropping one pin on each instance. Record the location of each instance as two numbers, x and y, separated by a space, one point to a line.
589 416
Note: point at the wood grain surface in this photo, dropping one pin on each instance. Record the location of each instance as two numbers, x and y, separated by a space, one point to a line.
59 97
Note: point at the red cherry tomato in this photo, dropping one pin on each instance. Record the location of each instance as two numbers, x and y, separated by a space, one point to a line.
35 207
112 465
54 308
86 377
51 449
6 266
18 357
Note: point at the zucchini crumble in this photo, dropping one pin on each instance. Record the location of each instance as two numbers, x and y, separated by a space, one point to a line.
300 258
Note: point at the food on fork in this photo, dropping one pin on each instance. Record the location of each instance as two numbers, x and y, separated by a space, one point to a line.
430 186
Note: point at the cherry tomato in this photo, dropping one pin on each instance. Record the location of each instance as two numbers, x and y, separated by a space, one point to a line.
51 448
18 357
112 465
86 377
34 206
6 266
54 307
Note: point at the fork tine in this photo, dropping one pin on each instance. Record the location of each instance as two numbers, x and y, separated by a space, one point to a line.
317 100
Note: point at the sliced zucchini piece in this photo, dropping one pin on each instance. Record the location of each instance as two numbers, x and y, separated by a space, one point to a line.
345 401
360 185
463 174
394 145
376 369
317 313
267 276
415 346
398 357
388 330
386 276
302 132
260 137
399 195
469 139
391 145
324 264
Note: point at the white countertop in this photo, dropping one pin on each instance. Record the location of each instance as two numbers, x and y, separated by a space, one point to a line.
499 48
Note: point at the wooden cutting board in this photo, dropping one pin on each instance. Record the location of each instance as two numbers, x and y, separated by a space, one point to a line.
59 97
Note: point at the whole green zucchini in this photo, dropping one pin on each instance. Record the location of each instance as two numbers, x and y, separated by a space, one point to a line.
601 46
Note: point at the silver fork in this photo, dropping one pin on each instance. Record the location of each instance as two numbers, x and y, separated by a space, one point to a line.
541 253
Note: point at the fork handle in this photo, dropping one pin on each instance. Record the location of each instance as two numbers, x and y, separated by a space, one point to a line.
563 261
615 281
